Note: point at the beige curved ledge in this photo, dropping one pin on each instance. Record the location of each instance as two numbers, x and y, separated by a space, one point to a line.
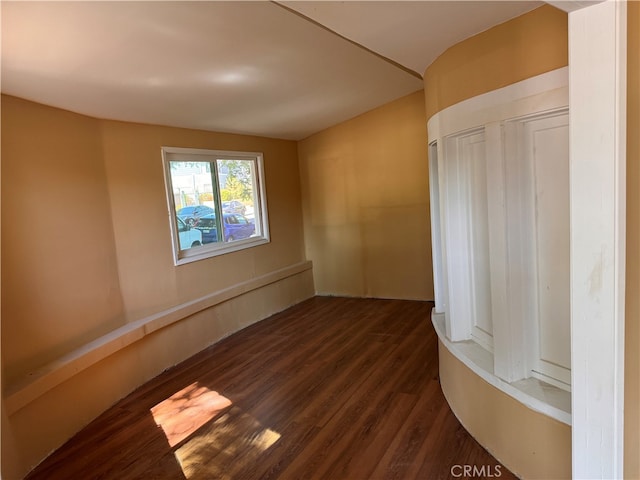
40 381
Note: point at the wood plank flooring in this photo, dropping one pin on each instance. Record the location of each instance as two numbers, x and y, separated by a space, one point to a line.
332 388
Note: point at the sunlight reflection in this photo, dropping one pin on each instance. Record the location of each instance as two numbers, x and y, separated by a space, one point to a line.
210 432
186 411
213 452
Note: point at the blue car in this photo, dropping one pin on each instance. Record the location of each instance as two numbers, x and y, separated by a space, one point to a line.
191 215
236 227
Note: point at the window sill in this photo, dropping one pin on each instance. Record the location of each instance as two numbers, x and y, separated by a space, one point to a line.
215 249
531 392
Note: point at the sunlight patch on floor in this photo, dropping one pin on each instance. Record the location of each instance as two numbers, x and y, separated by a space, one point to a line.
217 448
209 433
186 411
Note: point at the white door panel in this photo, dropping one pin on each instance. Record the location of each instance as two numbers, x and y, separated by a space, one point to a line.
546 151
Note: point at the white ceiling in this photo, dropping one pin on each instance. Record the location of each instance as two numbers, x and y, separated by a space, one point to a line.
411 33
246 67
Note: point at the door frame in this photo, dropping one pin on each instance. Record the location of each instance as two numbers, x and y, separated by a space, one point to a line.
597 102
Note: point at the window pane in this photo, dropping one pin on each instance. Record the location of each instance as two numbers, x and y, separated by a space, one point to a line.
194 197
238 192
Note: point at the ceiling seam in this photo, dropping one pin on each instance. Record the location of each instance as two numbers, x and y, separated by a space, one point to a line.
359 45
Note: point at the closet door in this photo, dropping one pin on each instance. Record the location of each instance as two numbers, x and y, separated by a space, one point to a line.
542 236
468 237
474 160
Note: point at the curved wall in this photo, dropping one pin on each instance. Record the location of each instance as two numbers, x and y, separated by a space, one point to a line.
92 305
530 444
521 48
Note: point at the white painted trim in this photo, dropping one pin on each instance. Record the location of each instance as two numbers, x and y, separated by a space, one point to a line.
436 229
54 373
597 59
442 230
536 94
507 340
571 5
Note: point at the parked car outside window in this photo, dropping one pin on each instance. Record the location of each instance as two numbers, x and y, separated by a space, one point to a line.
192 214
235 227
234 206
187 236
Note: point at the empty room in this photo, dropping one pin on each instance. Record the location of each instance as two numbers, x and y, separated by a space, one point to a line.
320 240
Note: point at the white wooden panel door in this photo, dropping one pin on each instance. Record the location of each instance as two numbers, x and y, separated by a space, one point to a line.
467 238
457 255
474 166
546 150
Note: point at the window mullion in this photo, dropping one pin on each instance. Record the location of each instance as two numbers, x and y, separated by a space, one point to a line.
215 181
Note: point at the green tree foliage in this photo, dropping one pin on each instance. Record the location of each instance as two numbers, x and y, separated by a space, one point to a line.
238 184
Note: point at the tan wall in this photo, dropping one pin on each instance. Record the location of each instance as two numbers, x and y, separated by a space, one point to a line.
632 344
366 204
60 284
86 249
149 280
51 419
526 46
530 444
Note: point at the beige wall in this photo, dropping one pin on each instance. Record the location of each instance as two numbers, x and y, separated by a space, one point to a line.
69 277
366 204
632 344
60 284
52 418
86 249
530 444
526 46
149 280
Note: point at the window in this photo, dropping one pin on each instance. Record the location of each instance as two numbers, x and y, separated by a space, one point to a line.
217 202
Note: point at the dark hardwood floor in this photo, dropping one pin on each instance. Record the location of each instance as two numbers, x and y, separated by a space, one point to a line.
332 388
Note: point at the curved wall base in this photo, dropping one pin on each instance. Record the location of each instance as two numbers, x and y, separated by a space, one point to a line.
55 414
528 443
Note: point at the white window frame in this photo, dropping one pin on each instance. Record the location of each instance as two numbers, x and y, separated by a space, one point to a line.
176 154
